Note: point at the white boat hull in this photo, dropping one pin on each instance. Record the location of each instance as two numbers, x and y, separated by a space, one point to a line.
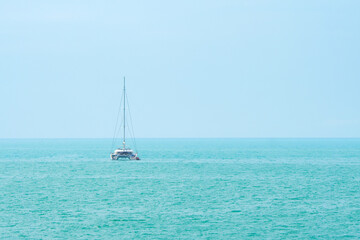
123 157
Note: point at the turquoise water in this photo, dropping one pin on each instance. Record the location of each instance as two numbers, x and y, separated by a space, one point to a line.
182 188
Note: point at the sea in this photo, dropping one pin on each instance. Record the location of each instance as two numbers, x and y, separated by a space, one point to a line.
180 189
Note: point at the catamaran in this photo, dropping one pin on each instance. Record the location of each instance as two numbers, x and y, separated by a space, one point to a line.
124 152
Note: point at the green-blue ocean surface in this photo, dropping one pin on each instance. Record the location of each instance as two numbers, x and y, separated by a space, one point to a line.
182 189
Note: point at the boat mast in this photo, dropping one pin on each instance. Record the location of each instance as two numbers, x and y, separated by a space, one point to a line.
124 115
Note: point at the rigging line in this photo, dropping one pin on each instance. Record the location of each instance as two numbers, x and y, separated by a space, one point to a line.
117 120
129 132
132 137
132 126
116 126
118 132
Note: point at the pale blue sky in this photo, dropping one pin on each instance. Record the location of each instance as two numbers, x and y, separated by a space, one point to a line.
194 68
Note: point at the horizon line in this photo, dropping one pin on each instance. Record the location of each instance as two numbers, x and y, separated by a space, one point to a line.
13 138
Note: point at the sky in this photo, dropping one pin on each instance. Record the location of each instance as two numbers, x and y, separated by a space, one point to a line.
197 69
